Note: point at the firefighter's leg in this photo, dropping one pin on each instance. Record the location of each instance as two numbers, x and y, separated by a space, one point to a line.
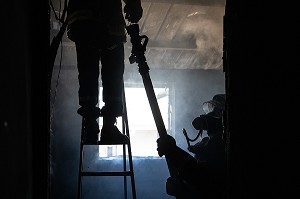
112 63
88 75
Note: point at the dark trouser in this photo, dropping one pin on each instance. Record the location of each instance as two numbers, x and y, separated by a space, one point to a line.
112 70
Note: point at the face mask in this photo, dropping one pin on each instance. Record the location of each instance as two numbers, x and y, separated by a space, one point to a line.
208 107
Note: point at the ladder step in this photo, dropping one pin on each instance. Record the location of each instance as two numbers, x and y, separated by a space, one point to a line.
97 173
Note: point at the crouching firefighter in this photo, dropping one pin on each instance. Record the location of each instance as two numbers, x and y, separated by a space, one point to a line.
211 148
98 29
202 176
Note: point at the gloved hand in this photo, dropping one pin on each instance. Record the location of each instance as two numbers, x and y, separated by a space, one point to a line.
166 145
133 11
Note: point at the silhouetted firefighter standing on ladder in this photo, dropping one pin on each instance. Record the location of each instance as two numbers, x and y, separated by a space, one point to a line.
98 29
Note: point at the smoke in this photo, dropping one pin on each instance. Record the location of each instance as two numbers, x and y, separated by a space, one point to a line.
206 26
190 89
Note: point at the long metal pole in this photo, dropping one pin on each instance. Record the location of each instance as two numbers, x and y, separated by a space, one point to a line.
138 56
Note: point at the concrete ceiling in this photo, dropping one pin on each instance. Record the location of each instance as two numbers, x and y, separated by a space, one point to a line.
183 34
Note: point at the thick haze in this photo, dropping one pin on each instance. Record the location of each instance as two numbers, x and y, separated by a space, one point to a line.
192 88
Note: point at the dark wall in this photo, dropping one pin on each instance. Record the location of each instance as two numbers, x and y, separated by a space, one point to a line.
24 99
262 86
192 88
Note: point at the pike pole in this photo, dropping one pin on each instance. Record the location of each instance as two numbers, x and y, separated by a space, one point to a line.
138 56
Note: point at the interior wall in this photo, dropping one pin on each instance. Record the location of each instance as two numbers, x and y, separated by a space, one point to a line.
192 88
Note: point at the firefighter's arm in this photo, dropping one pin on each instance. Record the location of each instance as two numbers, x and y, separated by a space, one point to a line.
180 159
133 10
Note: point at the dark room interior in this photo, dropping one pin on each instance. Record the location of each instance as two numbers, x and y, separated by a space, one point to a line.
197 48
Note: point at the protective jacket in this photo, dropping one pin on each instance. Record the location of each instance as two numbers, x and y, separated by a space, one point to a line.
97 22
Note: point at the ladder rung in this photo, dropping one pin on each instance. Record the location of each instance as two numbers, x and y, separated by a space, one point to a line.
121 173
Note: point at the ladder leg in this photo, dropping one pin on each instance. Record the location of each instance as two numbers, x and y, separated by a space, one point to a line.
132 173
79 187
124 166
126 131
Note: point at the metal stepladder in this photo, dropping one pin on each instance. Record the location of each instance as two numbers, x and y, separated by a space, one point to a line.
127 161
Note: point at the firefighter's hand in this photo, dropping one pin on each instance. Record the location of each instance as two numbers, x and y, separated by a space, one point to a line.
133 11
165 145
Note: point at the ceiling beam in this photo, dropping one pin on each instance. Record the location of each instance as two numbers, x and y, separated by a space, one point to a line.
190 2
156 45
